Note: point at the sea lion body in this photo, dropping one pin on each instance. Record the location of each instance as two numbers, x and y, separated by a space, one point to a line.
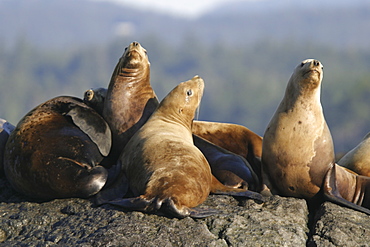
161 163
55 151
5 129
234 138
230 169
297 145
130 99
358 159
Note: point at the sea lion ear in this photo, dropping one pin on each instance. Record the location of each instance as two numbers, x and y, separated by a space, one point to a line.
93 125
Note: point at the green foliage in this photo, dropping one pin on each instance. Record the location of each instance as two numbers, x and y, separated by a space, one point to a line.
244 84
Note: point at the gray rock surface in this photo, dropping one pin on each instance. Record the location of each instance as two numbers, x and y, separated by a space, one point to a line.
77 222
338 226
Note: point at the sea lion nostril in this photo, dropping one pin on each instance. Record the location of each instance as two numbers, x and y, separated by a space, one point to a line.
316 63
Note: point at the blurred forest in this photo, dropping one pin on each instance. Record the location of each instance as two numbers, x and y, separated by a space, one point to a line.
244 81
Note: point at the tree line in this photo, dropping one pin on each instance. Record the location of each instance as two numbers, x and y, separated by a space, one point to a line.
243 84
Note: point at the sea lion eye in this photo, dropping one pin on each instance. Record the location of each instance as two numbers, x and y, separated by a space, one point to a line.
302 64
189 92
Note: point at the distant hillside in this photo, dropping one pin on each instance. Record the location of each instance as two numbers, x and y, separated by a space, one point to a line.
73 23
341 23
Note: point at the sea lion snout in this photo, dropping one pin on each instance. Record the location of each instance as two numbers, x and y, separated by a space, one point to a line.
316 63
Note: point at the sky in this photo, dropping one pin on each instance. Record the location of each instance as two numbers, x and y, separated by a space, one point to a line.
185 8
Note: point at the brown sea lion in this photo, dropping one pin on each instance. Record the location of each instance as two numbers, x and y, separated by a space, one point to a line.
55 150
226 166
346 188
298 152
234 138
358 159
230 169
163 166
5 129
130 99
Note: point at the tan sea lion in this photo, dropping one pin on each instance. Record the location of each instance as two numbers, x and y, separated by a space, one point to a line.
231 169
55 150
297 145
5 129
298 152
130 99
358 159
163 166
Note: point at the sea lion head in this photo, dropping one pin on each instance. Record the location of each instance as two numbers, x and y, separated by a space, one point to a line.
95 95
134 55
95 98
184 99
134 63
308 75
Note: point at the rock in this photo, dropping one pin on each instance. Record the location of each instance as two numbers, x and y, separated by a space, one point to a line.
280 221
339 226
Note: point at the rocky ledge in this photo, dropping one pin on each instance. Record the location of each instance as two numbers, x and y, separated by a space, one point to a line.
279 221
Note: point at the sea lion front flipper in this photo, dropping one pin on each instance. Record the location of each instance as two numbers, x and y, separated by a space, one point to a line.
331 191
93 125
117 190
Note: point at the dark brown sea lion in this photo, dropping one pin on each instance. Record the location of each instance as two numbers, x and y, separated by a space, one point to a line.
130 99
5 129
55 150
95 97
163 166
298 152
358 159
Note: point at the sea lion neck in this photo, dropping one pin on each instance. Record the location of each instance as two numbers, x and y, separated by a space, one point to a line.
304 86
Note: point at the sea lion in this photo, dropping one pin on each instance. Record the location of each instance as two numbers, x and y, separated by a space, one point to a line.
234 138
227 167
130 99
163 166
346 188
298 151
55 150
230 169
94 98
358 159
5 129
297 148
